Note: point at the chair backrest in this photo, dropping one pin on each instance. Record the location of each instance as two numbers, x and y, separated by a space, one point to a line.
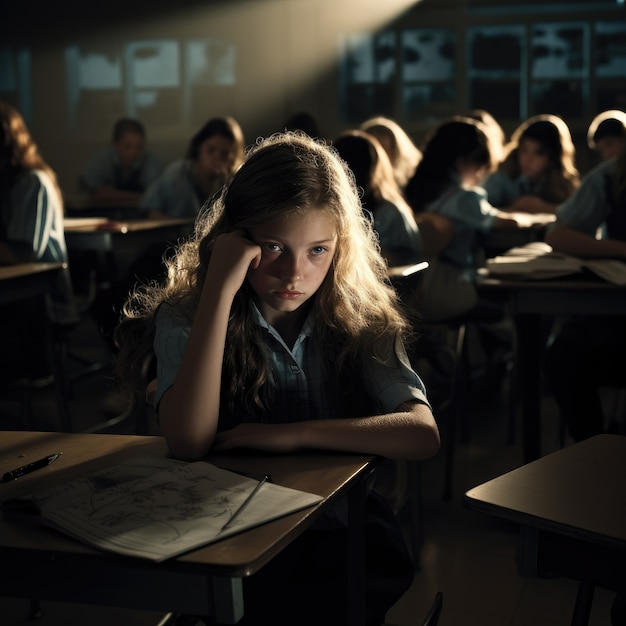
436 231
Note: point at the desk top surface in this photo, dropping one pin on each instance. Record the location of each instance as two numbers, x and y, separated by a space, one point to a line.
20 270
577 491
328 475
103 225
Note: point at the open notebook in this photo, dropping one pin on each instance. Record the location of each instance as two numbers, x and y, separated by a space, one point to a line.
538 260
156 508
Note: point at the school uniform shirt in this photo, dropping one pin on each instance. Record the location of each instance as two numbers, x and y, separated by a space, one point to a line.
471 213
590 205
395 232
174 192
104 169
32 226
305 389
502 190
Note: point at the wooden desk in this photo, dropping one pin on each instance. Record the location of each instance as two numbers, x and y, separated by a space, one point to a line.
124 240
529 301
35 280
571 508
40 563
26 280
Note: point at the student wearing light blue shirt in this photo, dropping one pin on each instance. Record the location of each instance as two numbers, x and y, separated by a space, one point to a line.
538 171
588 351
214 154
123 169
278 332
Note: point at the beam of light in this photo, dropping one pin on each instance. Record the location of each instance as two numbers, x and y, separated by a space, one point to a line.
273 57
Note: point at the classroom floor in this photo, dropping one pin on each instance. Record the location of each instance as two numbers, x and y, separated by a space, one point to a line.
469 557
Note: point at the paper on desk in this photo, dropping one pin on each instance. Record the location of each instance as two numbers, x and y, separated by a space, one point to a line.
168 512
537 260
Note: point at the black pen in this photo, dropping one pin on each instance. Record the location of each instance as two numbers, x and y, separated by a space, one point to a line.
30 467
245 503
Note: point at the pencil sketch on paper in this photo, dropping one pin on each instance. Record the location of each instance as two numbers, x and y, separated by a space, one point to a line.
170 511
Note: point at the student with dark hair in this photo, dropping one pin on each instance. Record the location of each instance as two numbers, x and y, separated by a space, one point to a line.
124 168
456 157
607 134
538 171
214 154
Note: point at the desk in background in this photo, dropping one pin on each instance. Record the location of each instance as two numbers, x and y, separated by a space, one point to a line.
571 509
532 227
83 206
35 280
41 563
119 244
529 301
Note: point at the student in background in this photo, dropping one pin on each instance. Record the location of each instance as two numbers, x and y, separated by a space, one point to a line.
278 333
455 159
538 171
497 136
607 134
31 229
124 169
393 219
214 154
588 352
403 154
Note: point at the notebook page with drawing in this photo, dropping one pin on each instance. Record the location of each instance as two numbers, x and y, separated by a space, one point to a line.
166 509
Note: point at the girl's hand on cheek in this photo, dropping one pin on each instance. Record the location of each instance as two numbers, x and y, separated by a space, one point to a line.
279 438
233 255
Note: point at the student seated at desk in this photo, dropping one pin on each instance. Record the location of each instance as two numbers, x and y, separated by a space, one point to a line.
403 154
607 134
278 332
31 229
455 158
213 156
393 219
588 352
538 171
123 169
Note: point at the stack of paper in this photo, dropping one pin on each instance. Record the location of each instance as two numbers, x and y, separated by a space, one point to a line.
538 260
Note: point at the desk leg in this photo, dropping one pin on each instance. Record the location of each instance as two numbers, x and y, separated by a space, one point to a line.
228 594
356 555
584 599
529 355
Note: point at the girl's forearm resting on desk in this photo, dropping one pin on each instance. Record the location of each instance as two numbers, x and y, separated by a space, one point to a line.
409 434
570 241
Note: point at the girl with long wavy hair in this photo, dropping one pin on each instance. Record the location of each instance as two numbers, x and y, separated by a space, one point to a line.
31 210
277 331
538 171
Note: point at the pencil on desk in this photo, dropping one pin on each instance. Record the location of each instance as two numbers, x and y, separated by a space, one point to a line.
245 503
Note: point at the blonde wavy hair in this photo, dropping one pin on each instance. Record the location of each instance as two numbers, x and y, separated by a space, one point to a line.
403 154
356 312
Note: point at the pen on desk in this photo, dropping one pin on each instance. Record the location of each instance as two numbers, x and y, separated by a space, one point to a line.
30 467
245 503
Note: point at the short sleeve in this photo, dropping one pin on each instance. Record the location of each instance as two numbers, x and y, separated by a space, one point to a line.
588 207
170 341
393 381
